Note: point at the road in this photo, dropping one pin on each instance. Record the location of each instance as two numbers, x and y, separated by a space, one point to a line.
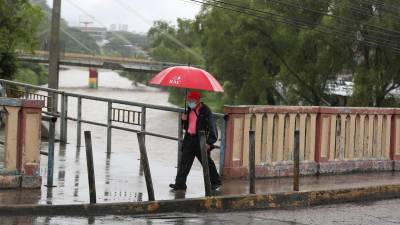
369 213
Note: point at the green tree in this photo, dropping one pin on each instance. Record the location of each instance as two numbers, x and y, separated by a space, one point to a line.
19 21
175 44
72 39
125 44
376 71
261 60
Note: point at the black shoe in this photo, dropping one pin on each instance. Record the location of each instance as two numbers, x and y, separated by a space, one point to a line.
177 187
215 186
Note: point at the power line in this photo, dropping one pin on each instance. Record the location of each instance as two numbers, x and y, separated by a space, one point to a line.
77 41
388 43
364 29
170 37
299 25
362 9
73 38
380 29
97 21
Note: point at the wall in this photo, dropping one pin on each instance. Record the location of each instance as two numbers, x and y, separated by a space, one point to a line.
332 140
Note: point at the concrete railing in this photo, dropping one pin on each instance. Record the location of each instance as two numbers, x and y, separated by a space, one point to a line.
332 140
21 161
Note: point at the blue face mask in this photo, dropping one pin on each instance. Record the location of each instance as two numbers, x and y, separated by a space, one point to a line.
192 105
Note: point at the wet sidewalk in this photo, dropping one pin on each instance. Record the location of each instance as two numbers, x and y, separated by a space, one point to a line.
119 179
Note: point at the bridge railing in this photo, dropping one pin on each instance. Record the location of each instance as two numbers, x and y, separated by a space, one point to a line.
99 61
121 114
332 139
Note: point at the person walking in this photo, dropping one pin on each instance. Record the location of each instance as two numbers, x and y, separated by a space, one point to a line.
198 118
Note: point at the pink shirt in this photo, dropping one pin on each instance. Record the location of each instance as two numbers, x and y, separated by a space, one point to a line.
192 121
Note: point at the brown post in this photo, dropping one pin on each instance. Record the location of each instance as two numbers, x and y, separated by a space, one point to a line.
90 169
204 163
252 161
145 163
318 130
54 51
296 159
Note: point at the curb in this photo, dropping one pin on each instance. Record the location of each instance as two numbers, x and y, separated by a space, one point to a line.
212 204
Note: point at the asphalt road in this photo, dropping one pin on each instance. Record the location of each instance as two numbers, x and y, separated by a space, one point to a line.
381 212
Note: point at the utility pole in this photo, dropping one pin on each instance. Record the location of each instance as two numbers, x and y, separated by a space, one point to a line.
54 55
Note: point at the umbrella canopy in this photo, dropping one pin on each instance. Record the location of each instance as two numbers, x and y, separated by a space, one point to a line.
187 77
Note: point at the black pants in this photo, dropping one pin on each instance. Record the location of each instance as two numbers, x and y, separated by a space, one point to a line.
190 149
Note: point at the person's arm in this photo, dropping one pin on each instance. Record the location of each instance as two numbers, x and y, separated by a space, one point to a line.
185 120
212 136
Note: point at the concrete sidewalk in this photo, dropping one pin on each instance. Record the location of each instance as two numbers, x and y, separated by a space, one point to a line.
69 190
120 179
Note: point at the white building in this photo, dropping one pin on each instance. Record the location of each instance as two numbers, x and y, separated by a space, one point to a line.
98 33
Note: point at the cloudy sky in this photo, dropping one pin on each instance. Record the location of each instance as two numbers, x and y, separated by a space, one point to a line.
137 14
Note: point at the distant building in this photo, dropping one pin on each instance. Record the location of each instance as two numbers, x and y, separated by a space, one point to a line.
119 27
123 27
113 27
98 33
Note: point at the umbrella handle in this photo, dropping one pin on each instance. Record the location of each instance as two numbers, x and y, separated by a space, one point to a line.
185 99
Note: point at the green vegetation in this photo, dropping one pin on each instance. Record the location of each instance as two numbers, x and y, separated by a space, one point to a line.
261 61
125 44
72 39
18 22
136 77
32 73
257 59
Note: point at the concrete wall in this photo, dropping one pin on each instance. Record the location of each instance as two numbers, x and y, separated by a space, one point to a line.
332 140
22 143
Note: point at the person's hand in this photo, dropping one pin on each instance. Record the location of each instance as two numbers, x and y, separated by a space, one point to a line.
208 147
184 117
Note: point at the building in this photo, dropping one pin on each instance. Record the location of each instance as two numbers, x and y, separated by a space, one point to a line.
113 27
98 33
123 27
119 27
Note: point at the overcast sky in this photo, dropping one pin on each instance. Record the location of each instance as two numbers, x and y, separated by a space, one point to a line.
137 14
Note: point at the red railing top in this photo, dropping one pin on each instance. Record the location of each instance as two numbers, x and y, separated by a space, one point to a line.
246 109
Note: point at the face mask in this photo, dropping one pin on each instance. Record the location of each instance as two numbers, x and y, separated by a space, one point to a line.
192 105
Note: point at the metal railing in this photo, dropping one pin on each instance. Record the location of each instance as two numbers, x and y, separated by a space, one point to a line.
134 120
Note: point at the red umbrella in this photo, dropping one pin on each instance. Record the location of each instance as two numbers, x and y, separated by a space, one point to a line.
187 77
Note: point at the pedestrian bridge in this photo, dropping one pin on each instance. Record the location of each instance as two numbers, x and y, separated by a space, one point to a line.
332 139
97 61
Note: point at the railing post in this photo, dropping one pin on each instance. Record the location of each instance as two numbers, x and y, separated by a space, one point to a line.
109 123
64 118
143 128
3 89
222 148
50 154
252 161
79 123
90 169
180 140
146 167
204 163
296 158
143 122
26 93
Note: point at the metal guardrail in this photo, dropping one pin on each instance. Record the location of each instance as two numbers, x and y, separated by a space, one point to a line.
139 117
